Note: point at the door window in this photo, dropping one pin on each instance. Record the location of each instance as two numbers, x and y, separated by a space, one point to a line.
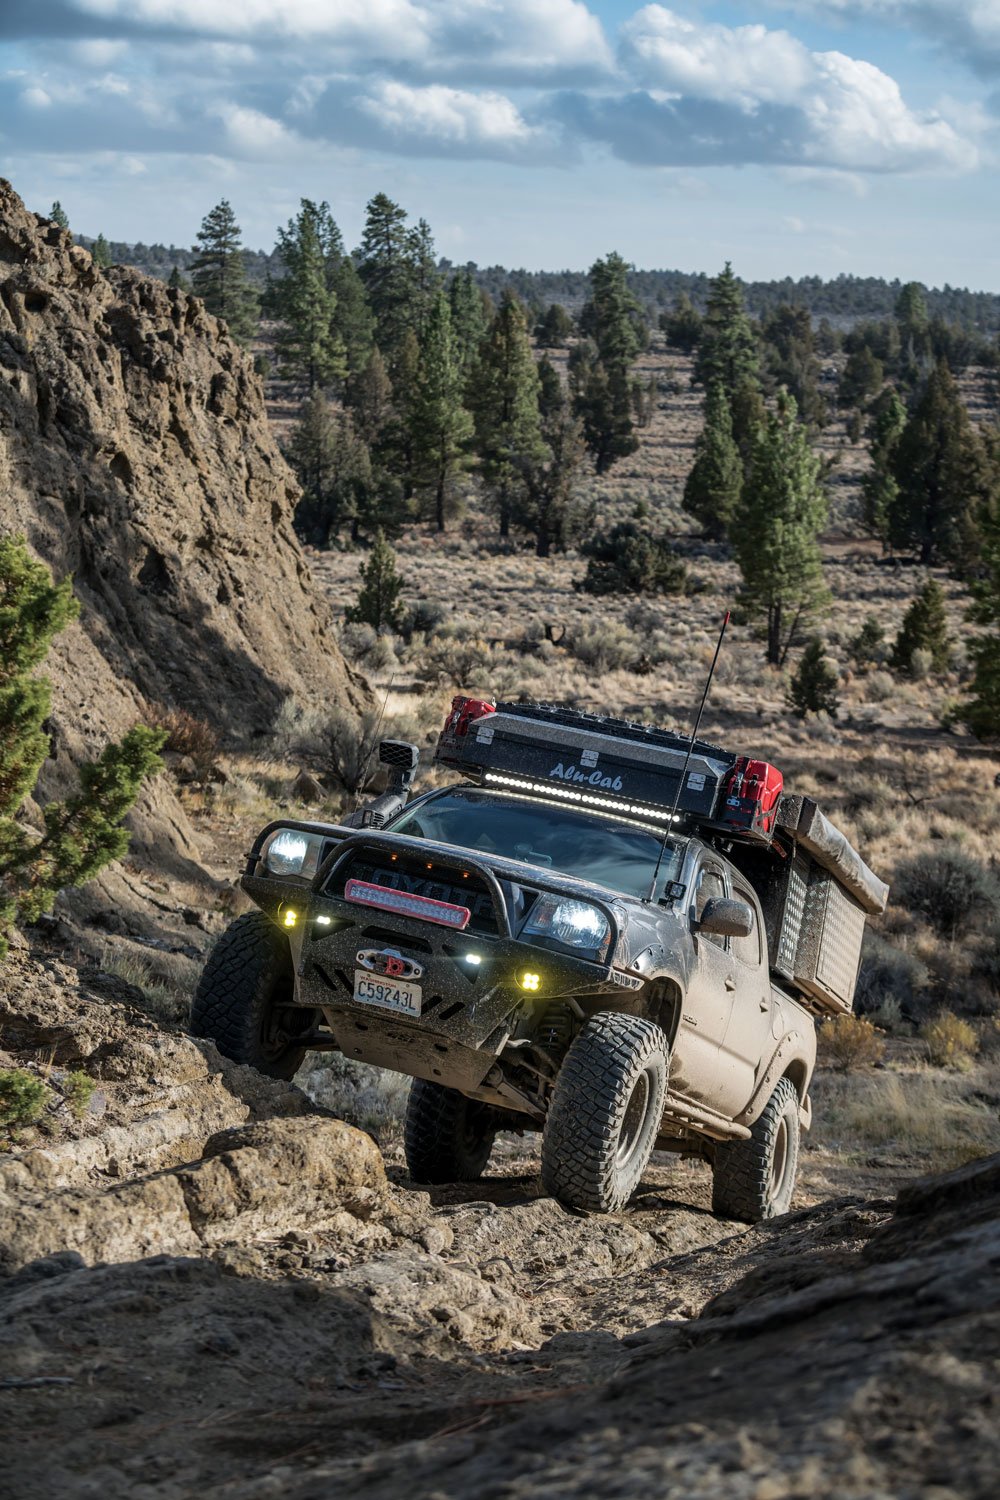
747 949
710 886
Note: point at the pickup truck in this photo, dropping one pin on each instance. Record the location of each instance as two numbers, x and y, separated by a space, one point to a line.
533 957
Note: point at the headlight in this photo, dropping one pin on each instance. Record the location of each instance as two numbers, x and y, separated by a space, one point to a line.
292 852
574 924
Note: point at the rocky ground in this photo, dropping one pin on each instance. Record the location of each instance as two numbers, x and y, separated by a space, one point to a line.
211 1285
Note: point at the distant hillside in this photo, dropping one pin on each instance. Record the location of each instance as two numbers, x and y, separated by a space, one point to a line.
845 300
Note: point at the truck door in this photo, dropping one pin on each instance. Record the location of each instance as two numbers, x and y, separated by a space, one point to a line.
748 1043
697 1062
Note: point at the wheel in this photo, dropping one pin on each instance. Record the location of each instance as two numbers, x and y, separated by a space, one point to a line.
605 1112
447 1138
237 1004
755 1179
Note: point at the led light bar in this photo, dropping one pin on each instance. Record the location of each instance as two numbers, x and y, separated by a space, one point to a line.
365 893
552 793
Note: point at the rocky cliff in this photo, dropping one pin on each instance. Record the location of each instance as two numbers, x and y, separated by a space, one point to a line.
135 454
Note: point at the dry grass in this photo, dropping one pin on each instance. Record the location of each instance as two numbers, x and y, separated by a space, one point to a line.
926 1119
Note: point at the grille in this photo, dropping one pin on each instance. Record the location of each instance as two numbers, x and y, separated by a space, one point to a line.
412 876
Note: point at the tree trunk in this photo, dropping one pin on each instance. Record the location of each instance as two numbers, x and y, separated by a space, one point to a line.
439 501
774 634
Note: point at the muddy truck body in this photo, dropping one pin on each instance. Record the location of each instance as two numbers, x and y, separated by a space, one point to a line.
601 931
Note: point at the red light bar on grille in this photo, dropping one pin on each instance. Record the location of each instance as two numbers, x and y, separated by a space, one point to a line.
422 907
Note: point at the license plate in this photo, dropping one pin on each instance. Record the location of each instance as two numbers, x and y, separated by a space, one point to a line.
388 994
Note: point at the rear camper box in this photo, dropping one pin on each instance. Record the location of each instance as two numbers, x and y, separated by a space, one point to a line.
815 901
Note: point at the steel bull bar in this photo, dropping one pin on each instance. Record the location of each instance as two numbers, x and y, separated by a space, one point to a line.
470 1010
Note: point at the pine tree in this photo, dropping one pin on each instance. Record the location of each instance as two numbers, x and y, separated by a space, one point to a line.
628 559
441 425
912 318
101 253
312 453
682 325
425 280
58 215
385 265
613 317
942 475
503 398
981 712
369 396
304 300
790 360
813 688
218 275
353 322
177 281
879 489
924 628
378 600
547 508
599 370
469 317
554 328
862 378
728 353
713 486
84 833
781 512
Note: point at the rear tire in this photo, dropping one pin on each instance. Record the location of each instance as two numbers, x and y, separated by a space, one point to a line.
755 1179
239 999
447 1138
605 1112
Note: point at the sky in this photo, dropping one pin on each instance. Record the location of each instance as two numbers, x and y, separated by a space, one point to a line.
792 137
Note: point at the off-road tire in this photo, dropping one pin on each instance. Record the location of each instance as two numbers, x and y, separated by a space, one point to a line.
755 1179
248 974
605 1112
447 1137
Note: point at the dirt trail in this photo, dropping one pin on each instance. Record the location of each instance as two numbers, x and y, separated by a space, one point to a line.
209 1286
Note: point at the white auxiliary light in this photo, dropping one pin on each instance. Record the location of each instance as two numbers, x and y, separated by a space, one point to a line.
473 958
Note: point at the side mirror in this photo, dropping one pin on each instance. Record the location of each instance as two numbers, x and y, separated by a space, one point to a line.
726 918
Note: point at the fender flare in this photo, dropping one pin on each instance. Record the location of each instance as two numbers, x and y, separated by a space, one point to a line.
790 1058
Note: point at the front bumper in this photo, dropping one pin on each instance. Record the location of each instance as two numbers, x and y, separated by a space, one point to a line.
470 1011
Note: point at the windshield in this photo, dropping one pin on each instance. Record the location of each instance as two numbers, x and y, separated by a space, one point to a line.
589 846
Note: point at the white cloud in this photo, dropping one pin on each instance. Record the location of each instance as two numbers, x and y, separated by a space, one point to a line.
533 37
254 135
968 28
812 107
447 115
745 64
36 98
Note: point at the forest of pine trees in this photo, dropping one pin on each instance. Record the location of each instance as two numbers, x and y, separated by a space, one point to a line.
417 376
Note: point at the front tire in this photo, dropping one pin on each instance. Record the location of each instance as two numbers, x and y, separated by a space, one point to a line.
447 1137
605 1112
238 1003
755 1179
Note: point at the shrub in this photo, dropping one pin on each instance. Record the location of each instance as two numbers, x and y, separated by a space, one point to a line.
22 1098
84 833
949 888
606 647
628 560
187 735
364 645
813 688
924 628
866 646
950 1041
849 1042
890 983
78 1089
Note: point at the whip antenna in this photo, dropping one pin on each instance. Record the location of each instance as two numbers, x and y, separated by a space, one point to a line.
687 758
